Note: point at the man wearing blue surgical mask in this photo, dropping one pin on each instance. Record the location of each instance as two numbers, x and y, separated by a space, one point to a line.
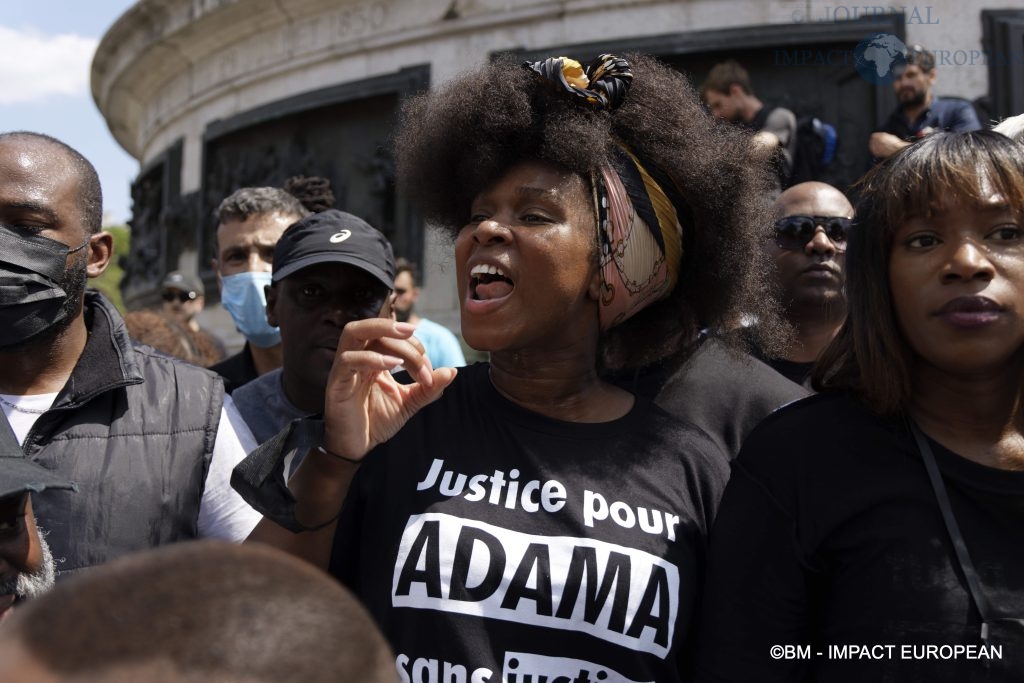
250 221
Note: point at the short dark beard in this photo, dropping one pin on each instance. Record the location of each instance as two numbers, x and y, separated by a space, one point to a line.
916 101
73 283
403 316
75 278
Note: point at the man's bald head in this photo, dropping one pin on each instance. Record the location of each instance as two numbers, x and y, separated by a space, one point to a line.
800 199
808 249
90 194
202 611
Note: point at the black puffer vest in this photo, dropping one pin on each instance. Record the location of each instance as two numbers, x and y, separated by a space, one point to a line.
135 430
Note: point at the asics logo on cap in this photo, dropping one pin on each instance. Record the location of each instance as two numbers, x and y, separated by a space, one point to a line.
340 236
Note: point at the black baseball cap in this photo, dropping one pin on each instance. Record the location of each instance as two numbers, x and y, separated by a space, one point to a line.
334 236
19 474
180 280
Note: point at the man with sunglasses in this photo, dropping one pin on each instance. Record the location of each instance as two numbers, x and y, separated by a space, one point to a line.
808 246
183 297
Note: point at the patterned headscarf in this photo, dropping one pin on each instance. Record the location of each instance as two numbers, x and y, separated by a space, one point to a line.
640 211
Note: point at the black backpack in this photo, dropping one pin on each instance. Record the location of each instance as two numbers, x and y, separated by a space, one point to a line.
816 143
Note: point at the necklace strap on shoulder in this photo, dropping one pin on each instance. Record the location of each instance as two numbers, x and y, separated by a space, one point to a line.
952 528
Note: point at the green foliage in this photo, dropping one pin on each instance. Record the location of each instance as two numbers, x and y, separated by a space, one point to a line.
110 282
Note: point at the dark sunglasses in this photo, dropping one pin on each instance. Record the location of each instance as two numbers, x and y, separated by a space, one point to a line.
794 232
172 294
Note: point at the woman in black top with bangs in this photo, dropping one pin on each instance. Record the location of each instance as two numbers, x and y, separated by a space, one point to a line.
880 524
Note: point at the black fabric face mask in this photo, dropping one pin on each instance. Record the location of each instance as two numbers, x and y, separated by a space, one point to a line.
31 293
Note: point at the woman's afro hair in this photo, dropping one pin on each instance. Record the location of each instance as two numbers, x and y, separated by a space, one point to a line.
458 139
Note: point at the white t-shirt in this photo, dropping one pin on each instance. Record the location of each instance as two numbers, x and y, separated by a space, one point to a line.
222 512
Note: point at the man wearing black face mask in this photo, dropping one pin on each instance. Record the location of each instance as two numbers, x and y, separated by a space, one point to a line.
149 441
39 296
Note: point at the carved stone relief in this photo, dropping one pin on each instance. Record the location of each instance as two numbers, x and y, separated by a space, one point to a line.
144 265
345 142
163 224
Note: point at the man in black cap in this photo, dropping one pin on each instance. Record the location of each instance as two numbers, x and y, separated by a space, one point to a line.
184 299
26 564
330 268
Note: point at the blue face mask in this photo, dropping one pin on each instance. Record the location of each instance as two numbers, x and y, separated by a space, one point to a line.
244 298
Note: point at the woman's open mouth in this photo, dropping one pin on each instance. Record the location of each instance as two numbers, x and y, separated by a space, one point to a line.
489 282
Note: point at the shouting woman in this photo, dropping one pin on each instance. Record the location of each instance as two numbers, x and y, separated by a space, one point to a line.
535 521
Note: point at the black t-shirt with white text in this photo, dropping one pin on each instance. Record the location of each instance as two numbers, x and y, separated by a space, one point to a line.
492 543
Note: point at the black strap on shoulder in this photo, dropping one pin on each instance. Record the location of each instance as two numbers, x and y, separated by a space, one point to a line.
953 529
761 117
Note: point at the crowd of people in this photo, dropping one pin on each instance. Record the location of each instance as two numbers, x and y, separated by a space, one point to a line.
731 427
